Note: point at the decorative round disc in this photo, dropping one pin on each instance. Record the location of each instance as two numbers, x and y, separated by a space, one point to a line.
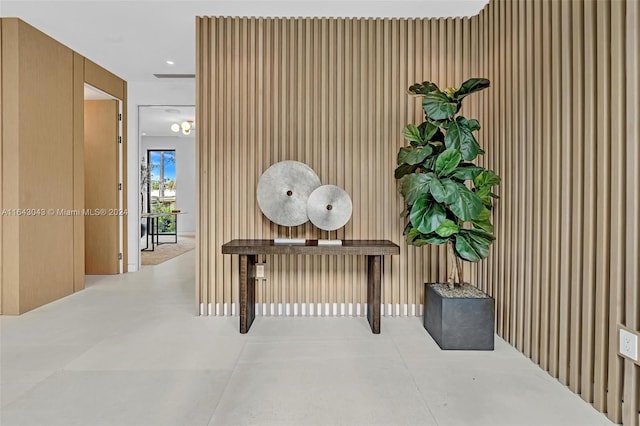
283 191
329 207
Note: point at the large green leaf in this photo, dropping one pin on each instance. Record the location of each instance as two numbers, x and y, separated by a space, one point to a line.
459 136
412 134
412 233
474 125
483 221
435 239
467 171
444 190
413 155
471 86
447 228
426 215
414 185
428 131
485 195
470 248
422 88
468 205
480 235
404 170
447 161
438 106
486 179
418 239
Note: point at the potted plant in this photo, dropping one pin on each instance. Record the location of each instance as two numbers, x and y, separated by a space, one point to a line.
448 201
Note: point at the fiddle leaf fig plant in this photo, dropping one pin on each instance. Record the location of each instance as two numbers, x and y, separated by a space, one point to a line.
448 197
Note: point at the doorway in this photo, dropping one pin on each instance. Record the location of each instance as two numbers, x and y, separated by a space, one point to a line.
167 181
103 177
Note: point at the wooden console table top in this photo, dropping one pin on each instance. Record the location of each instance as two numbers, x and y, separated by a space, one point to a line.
348 247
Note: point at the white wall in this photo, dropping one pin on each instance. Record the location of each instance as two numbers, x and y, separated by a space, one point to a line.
182 92
185 148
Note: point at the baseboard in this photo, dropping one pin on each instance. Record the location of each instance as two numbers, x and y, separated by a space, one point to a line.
313 309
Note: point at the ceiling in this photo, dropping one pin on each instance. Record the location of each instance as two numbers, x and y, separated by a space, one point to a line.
135 38
157 120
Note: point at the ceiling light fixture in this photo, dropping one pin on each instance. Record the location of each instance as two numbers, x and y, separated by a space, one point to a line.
170 62
185 126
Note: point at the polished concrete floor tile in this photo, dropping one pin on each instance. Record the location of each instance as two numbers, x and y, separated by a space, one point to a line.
159 346
335 392
119 398
309 328
130 350
465 395
273 353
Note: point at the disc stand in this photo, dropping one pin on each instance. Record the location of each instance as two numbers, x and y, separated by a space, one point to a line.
289 241
330 242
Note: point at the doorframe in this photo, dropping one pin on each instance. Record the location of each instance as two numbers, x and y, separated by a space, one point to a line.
142 156
120 166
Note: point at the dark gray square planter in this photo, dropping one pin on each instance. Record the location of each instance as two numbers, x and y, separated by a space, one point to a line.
462 323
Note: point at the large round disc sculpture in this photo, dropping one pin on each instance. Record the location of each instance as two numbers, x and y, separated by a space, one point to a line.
329 207
283 191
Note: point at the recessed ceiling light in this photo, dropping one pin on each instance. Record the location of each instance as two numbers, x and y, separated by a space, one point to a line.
170 62
172 111
144 133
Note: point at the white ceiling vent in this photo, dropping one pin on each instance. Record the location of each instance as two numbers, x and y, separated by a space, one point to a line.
175 75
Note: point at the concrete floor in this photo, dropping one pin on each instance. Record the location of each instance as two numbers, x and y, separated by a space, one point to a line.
129 351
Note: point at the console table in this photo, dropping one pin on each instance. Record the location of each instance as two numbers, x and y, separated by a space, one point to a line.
249 249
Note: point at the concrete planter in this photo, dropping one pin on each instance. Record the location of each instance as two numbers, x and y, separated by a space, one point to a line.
463 322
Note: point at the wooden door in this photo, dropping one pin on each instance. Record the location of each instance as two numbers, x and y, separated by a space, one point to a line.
102 233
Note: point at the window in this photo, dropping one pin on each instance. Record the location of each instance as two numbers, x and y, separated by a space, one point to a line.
161 191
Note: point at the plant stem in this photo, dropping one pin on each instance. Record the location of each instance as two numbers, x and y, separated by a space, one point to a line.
454 265
460 270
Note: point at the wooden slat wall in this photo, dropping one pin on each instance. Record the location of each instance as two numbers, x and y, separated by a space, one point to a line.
560 125
330 93
564 114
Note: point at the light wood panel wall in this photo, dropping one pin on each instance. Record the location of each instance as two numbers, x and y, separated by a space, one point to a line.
331 93
42 167
37 120
563 133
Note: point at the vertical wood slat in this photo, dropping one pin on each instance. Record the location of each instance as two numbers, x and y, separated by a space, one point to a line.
540 134
618 213
522 166
555 153
603 201
545 188
631 393
577 187
565 278
589 204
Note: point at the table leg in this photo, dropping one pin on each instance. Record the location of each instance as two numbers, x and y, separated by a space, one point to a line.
247 292
374 289
149 231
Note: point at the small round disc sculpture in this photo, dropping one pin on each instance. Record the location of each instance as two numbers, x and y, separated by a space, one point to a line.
329 207
283 191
